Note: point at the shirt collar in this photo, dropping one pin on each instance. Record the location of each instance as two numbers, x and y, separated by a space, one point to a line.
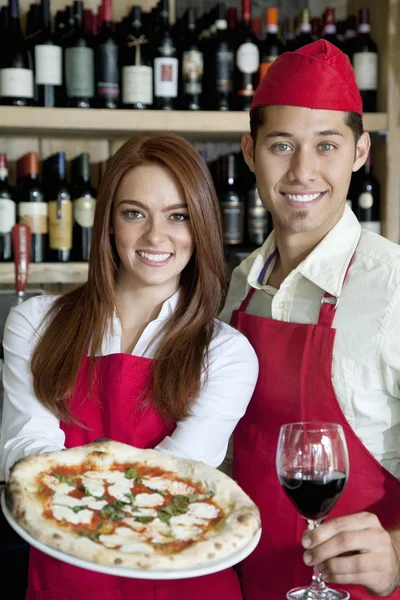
325 266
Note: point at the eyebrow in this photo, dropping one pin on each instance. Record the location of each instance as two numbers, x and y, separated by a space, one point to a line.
141 205
286 134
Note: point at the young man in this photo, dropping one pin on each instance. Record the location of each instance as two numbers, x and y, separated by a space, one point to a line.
320 303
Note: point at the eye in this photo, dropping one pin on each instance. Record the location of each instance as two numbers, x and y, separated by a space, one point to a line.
132 214
281 147
179 217
326 147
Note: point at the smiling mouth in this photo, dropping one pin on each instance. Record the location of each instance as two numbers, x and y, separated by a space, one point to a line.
303 198
157 258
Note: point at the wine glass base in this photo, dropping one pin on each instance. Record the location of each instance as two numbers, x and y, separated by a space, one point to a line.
305 593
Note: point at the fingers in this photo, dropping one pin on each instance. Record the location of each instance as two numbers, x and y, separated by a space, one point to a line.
352 523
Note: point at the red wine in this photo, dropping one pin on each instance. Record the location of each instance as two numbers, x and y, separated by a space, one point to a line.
313 498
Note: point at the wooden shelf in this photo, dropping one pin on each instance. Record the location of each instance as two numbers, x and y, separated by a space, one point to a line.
47 273
75 122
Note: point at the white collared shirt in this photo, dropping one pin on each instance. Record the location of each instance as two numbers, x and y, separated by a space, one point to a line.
29 428
366 354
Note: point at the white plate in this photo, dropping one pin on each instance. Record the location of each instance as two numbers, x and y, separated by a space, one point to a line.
206 568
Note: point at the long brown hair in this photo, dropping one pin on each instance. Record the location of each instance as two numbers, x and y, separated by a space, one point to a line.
79 319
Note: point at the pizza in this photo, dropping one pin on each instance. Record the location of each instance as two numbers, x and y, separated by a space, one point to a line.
113 504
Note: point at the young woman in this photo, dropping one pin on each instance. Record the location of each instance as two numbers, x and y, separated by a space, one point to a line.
135 354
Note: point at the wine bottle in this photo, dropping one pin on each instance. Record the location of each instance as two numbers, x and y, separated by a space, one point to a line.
48 62
316 28
107 75
368 201
271 47
166 64
258 221
350 35
84 202
247 61
79 64
60 208
32 208
192 65
329 31
305 35
7 212
365 63
221 74
16 72
137 70
232 207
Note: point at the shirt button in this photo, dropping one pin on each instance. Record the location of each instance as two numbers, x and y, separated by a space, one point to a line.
281 305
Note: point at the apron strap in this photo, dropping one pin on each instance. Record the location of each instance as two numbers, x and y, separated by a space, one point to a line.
329 304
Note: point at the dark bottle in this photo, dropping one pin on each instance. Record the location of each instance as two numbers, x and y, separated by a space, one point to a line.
137 70
48 62
350 35
365 63
32 208
368 199
305 35
16 72
60 208
271 47
7 212
107 65
329 31
166 64
258 218
290 40
247 61
192 65
79 64
84 202
232 207
316 28
223 60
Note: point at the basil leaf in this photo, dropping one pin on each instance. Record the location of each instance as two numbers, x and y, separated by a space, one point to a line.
163 516
199 497
112 511
41 489
161 492
131 473
92 536
130 497
77 509
144 519
64 479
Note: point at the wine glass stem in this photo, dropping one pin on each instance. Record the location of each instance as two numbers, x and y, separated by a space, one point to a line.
317 584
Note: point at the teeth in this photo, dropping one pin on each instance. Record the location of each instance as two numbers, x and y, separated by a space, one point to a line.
302 197
154 257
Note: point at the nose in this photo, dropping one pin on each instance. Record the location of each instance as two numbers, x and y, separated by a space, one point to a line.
155 232
303 167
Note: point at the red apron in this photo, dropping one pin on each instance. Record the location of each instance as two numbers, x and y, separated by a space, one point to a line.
296 371
117 410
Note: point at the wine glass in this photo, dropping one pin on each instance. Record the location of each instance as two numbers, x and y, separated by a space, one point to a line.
313 466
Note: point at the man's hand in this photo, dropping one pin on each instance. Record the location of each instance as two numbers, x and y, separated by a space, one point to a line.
356 549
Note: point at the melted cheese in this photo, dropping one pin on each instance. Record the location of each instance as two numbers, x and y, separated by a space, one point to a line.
174 487
149 500
57 486
141 512
186 527
129 541
65 513
93 487
203 510
119 490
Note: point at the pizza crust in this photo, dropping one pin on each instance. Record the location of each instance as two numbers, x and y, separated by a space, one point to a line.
232 533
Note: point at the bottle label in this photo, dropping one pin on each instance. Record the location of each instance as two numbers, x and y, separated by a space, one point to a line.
166 77
365 200
16 83
248 58
366 69
192 70
264 66
84 211
137 85
60 223
224 70
232 222
48 64
79 74
8 214
108 82
35 215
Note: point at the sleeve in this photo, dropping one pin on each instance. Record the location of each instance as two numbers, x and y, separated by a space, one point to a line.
389 356
232 376
27 426
238 287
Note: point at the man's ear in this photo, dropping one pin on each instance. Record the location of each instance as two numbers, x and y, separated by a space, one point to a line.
362 150
248 151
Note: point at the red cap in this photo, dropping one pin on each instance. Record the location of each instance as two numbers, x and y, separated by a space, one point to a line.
317 75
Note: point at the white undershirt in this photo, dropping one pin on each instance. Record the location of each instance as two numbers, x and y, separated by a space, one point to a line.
29 428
